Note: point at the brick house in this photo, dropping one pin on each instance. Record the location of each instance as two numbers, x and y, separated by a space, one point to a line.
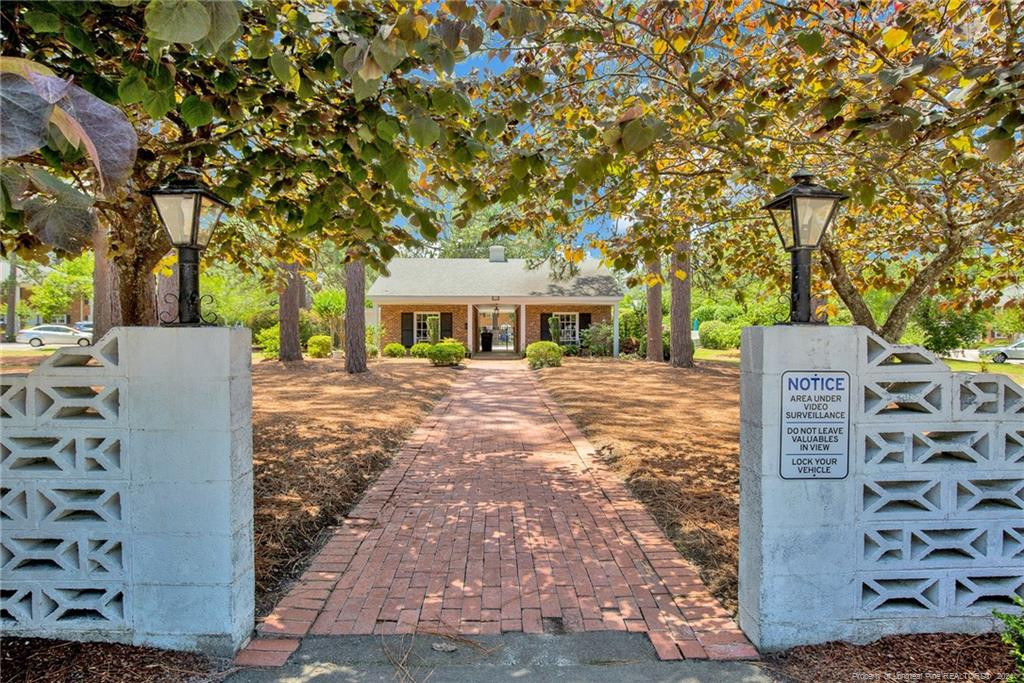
495 302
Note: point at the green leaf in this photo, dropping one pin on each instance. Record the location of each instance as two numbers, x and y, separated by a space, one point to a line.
387 53
226 81
397 172
177 21
463 105
999 151
259 46
387 129
78 38
157 103
810 41
281 67
637 135
495 125
42 22
424 131
132 88
196 112
363 89
224 21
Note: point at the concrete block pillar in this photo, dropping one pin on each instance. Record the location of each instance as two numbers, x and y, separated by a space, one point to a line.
793 532
131 460
190 397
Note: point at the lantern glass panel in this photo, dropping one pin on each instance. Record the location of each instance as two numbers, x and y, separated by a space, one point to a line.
210 212
176 212
812 214
783 218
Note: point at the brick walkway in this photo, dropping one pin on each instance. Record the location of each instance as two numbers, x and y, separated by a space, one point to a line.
495 517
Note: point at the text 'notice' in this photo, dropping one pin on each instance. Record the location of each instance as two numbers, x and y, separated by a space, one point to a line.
815 425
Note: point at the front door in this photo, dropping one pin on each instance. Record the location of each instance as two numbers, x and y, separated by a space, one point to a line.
496 329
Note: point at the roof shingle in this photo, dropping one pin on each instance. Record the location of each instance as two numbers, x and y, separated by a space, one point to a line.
457 277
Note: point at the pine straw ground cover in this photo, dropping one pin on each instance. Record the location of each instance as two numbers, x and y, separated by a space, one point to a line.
673 436
320 438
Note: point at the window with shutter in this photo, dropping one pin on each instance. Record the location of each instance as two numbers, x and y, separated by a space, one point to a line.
446 325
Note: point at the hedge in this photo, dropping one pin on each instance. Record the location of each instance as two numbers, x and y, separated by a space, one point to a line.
715 334
394 350
544 354
447 353
319 346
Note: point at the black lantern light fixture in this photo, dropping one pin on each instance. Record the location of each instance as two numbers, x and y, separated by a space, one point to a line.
190 212
801 216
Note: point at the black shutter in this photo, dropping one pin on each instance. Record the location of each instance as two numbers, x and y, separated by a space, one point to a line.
446 325
545 331
408 336
584 321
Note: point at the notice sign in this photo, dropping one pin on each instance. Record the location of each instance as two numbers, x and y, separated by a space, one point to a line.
815 425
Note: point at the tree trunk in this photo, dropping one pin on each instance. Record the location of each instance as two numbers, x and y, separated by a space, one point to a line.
136 290
680 323
106 307
288 314
654 345
166 295
11 317
355 316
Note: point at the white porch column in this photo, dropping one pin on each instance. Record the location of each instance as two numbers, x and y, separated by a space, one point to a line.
469 329
522 328
615 330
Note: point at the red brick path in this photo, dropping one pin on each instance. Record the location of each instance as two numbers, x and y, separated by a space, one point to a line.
495 516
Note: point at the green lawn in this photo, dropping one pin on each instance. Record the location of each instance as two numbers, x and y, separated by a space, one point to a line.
725 355
1015 371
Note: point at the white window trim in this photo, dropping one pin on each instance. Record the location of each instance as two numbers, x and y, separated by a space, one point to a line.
576 327
415 325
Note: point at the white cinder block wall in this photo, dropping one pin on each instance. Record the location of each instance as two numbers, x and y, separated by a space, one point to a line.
925 534
127 491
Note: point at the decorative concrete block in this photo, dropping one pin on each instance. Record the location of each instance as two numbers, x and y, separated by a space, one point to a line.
923 534
127 502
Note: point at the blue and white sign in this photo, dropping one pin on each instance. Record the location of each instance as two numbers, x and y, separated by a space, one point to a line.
815 425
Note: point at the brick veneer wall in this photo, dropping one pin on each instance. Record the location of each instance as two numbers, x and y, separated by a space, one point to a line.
598 314
391 317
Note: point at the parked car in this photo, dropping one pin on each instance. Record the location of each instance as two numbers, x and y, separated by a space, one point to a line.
83 326
53 334
1000 354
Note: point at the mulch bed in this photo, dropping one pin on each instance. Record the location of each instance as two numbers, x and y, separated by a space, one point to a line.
33 660
320 438
918 657
673 436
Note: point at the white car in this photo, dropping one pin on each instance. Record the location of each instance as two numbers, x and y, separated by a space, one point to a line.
1003 353
53 334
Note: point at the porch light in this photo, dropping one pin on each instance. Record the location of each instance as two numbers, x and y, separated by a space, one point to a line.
189 212
801 216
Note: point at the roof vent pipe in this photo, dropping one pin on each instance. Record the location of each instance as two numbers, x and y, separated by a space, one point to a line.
497 254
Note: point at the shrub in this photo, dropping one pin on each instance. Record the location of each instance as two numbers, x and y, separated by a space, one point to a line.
371 350
597 339
319 346
261 321
420 350
945 328
722 312
544 354
1013 636
269 340
434 329
310 325
394 350
715 334
446 353
555 329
